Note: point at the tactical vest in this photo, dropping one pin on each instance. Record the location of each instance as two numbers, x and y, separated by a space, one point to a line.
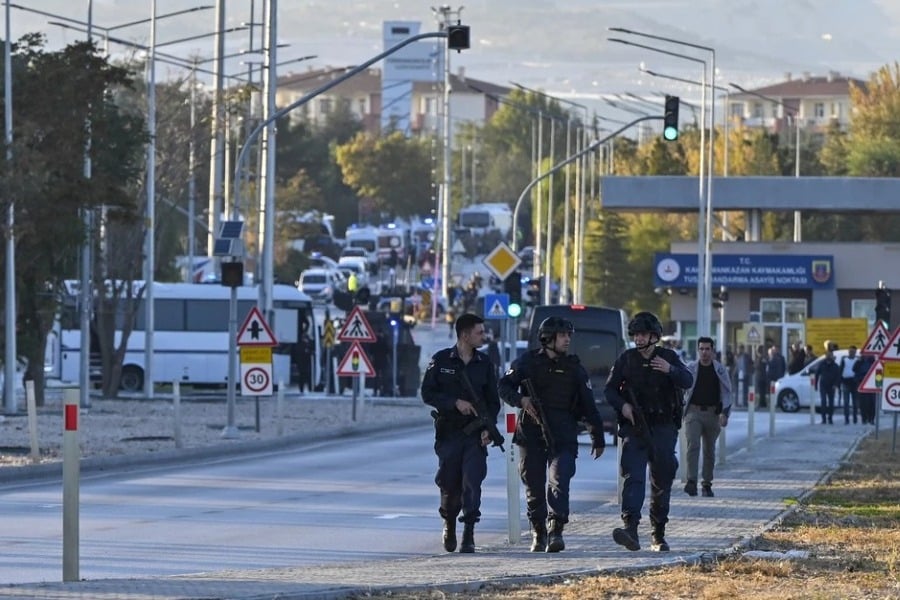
556 382
655 392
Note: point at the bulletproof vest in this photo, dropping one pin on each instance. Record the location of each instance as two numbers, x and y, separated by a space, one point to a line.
654 390
555 381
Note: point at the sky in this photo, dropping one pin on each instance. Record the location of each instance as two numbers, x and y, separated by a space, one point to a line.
561 47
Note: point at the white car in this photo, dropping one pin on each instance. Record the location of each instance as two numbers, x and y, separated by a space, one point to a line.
796 391
319 284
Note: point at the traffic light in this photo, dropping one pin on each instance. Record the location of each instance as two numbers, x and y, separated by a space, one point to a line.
363 295
458 37
512 285
883 306
670 119
720 298
534 292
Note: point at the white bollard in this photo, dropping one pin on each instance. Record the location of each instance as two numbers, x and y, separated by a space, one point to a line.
772 403
176 409
279 409
682 453
812 401
71 474
32 421
512 477
751 413
723 449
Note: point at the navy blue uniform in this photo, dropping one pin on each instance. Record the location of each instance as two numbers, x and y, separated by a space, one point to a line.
564 389
659 400
462 459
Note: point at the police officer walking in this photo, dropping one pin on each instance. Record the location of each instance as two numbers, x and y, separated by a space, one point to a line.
460 439
643 387
707 411
563 396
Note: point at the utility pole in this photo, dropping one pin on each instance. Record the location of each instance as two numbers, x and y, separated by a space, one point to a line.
267 191
446 16
217 141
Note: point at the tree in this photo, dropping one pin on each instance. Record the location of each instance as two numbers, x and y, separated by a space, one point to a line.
55 94
394 171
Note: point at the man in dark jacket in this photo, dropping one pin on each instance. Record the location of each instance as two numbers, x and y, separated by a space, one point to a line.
828 378
460 439
548 436
645 387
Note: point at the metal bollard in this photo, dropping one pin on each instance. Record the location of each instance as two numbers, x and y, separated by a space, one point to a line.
176 407
279 409
772 403
71 484
512 478
723 451
812 401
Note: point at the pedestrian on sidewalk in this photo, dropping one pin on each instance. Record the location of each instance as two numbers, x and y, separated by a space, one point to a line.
849 384
461 448
707 411
547 429
866 399
828 378
644 387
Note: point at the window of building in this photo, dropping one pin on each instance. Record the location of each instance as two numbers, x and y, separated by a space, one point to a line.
361 106
835 110
737 110
325 106
757 110
784 321
819 110
431 106
863 309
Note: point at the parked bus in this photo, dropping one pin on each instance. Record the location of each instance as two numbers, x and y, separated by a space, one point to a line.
601 334
190 341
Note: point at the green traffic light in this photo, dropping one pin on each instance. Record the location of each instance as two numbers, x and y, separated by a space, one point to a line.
514 310
670 133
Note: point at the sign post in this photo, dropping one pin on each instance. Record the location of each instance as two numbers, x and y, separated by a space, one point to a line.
356 363
255 340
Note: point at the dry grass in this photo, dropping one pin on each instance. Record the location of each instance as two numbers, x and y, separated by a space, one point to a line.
850 527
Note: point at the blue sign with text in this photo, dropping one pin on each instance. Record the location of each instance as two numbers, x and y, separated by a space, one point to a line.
747 271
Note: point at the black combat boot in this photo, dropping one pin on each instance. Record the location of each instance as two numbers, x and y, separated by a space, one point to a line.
468 539
658 539
538 536
627 536
690 488
555 541
707 490
450 535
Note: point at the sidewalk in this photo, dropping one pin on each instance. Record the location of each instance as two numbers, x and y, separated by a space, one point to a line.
753 490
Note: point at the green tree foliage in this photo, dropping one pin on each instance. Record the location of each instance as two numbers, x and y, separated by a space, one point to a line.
54 93
394 171
608 279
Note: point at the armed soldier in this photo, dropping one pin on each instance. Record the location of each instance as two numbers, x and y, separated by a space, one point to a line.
462 426
648 379
547 430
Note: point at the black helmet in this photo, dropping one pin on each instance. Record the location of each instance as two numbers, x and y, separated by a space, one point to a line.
551 326
644 322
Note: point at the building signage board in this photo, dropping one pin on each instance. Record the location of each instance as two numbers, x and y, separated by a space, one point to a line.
770 271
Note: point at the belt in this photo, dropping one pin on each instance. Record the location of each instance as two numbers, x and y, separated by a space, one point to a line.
703 407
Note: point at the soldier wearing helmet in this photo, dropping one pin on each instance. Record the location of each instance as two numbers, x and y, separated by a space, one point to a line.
546 466
649 379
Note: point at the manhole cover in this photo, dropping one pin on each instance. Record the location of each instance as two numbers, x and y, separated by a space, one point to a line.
147 438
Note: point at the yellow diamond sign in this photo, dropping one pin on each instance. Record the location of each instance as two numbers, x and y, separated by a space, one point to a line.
502 261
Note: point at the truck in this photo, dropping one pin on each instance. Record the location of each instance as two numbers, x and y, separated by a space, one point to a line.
482 219
365 237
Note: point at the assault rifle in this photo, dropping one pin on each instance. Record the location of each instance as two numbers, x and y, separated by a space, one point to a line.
482 422
546 433
641 428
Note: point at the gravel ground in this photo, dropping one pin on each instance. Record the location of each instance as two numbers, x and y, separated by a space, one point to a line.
138 426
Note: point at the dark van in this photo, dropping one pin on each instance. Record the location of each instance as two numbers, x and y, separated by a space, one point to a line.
600 336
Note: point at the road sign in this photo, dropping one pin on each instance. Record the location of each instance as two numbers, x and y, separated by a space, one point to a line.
328 334
843 332
255 331
892 348
871 383
256 379
501 261
356 328
877 340
496 306
356 363
891 397
256 354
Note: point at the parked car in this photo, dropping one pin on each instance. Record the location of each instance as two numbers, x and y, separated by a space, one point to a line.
320 284
793 392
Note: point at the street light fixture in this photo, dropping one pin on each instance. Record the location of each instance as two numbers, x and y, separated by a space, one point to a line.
798 224
704 226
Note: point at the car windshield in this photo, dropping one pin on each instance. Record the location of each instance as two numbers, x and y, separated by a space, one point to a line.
313 278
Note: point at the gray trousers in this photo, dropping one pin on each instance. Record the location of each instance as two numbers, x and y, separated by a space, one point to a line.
701 428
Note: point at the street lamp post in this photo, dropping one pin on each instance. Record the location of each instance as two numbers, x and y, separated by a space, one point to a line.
704 316
704 259
798 223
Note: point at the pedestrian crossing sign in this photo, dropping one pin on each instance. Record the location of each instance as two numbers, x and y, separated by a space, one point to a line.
356 328
496 306
877 341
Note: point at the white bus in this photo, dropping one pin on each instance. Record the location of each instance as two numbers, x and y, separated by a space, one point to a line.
190 341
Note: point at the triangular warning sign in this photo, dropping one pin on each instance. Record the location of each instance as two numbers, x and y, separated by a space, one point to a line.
871 383
356 363
497 309
892 349
255 331
877 341
356 328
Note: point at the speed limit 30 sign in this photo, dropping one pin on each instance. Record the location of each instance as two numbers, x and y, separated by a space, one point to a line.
256 371
891 387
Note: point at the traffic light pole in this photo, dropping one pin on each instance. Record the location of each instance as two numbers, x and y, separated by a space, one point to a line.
590 148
